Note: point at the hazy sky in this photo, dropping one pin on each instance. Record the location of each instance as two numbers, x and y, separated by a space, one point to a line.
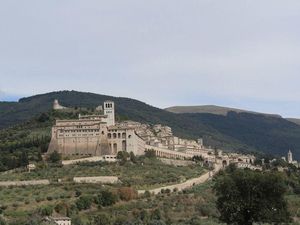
238 53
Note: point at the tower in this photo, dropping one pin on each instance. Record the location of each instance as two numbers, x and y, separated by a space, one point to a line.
109 110
290 157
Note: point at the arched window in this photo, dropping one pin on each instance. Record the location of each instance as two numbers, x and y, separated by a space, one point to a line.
123 135
114 135
119 135
109 135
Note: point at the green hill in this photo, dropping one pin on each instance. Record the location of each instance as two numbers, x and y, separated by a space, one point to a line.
234 131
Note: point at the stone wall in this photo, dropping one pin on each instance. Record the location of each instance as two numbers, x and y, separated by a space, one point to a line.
176 162
24 183
95 180
106 158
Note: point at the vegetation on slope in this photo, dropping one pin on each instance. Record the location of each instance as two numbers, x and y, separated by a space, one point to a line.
84 202
27 141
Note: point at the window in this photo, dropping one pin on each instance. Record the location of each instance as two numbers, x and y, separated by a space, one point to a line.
115 135
109 135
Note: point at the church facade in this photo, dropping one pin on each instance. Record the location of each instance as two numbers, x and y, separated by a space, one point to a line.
95 135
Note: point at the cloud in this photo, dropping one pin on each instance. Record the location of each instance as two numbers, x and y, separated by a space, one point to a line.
163 52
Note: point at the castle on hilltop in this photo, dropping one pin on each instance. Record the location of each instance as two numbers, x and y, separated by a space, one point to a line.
94 135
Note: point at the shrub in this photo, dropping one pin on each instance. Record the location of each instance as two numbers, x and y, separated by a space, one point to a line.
156 215
106 198
150 154
54 157
102 219
147 194
84 202
46 210
78 193
127 193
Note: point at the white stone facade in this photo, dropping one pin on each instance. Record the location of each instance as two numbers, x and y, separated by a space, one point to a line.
95 135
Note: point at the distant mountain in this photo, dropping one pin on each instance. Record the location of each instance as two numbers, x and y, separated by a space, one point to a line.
241 131
213 109
294 120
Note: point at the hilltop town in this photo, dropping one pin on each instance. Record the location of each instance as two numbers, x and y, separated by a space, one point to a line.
100 135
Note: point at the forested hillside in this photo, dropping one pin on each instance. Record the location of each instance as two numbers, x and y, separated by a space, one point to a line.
235 131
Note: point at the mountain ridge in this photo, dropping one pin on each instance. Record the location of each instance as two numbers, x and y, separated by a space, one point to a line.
213 109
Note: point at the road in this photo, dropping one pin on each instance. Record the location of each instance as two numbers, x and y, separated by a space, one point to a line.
187 184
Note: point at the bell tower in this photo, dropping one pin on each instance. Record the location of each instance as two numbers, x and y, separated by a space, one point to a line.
109 110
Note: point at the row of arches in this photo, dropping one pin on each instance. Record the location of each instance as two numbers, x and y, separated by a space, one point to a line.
114 147
116 135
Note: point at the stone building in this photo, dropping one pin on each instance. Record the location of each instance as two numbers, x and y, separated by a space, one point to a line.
58 220
94 135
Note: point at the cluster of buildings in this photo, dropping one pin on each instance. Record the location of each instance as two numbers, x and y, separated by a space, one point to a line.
100 135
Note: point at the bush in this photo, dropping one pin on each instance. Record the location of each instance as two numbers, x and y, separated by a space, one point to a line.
106 198
127 193
77 193
46 210
147 194
54 157
102 219
156 215
84 202
150 154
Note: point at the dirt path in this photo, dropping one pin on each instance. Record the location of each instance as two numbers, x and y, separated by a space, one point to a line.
187 184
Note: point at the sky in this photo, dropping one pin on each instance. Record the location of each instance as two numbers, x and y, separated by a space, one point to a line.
243 54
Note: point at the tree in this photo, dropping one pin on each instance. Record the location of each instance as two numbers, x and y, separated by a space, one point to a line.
156 215
102 219
127 193
150 154
245 197
54 157
24 159
132 157
84 202
122 156
46 210
106 198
